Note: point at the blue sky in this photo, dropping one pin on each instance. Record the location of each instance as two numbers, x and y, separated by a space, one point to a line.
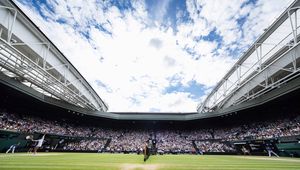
147 55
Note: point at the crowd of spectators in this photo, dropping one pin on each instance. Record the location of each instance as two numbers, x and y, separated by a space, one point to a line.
214 146
261 130
167 141
173 142
88 145
30 124
128 141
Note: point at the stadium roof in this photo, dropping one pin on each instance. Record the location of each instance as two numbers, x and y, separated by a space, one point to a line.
274 76
29 57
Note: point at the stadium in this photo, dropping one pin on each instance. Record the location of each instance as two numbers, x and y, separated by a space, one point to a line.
53 116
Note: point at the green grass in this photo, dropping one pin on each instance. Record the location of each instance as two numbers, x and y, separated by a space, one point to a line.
93 161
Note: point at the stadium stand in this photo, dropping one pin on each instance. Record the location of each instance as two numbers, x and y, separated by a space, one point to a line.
128 141
214 146
91 145
93 138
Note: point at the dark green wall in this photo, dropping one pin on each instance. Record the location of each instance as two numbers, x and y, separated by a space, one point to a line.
8 138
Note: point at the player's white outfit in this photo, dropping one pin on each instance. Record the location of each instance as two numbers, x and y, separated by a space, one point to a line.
12 148
270 152
40 142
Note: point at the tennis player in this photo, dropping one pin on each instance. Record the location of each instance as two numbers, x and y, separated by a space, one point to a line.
39 144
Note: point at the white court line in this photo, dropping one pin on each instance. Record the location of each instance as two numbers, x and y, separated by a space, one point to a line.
31 154
270 159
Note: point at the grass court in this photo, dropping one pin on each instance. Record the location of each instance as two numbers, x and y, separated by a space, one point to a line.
94 161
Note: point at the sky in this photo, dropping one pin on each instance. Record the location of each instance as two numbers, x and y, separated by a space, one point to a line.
153 55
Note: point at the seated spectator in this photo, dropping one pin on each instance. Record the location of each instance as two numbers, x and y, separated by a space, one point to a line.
166 141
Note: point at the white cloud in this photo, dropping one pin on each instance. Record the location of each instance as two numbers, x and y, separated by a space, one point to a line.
159 10
131 62
262 16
